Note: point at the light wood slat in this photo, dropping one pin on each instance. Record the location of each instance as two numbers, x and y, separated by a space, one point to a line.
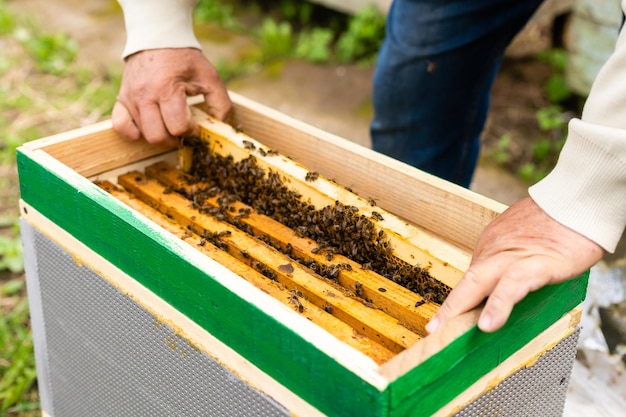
330 323
372 322
456 214
97 148
408 307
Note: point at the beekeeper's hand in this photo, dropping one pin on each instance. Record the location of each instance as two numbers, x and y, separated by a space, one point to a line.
152 101
521 251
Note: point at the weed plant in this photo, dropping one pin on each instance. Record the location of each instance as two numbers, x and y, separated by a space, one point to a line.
296 29
552 121
43 90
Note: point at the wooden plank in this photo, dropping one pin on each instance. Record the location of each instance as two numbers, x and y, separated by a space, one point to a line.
371 322
441 338
453 213
317 315
96 149
408 307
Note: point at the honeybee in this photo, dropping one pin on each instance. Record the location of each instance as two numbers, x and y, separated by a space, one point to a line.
311 176
377 216
248 145
358 289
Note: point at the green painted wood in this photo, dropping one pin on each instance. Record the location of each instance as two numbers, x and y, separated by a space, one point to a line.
426 388
110 229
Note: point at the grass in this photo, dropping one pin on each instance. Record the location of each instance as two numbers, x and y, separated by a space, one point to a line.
290 29
43 90
18 394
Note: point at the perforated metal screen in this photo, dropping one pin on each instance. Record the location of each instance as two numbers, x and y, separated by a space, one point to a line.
101 354
537 391
106 356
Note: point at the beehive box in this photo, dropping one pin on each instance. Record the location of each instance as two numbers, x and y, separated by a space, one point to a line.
135 313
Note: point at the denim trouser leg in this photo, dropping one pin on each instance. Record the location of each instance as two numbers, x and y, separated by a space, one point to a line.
433 78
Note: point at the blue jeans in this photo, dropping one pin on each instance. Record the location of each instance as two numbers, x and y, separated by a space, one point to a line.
433 79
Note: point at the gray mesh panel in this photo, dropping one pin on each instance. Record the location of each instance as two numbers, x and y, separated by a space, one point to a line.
107 356
531 392
101 354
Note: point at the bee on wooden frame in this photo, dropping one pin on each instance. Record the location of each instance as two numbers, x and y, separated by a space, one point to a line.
311 176
248 145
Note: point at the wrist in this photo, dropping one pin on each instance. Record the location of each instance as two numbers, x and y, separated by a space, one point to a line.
157 24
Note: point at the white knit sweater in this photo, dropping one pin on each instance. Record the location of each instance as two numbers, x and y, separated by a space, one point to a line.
586 191
152 24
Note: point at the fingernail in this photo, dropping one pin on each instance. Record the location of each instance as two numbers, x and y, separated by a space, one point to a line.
432 325
484 322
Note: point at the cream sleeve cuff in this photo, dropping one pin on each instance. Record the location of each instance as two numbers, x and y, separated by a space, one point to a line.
153 24
586 191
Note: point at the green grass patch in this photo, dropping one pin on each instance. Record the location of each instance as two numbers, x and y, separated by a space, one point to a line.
17 360
289 29
43 91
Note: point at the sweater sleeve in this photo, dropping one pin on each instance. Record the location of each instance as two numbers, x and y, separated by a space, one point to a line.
586 191
152 24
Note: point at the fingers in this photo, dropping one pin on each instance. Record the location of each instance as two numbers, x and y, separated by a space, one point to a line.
159 123
527 275
153 96
153 125
469 293
503 292
218 102
123 122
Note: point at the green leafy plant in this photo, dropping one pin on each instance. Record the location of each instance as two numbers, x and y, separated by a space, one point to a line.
7 21
53 52
551 119
17 360
216 11
299 11
545 150
556 87
315 45
11 254
501 153
276 39
363 37
530 173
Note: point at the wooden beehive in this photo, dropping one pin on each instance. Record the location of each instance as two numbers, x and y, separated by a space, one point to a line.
350 345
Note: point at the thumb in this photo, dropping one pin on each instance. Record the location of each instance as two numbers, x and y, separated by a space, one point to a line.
469 293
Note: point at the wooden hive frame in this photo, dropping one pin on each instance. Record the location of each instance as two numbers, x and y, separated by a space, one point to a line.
393 371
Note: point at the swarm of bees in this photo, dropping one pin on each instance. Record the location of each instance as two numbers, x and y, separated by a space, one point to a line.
336 228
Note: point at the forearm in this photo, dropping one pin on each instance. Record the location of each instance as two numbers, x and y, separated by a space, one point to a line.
153 24
586 191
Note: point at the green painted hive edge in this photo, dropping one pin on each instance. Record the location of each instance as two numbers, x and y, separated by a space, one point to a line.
76 205
437 381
